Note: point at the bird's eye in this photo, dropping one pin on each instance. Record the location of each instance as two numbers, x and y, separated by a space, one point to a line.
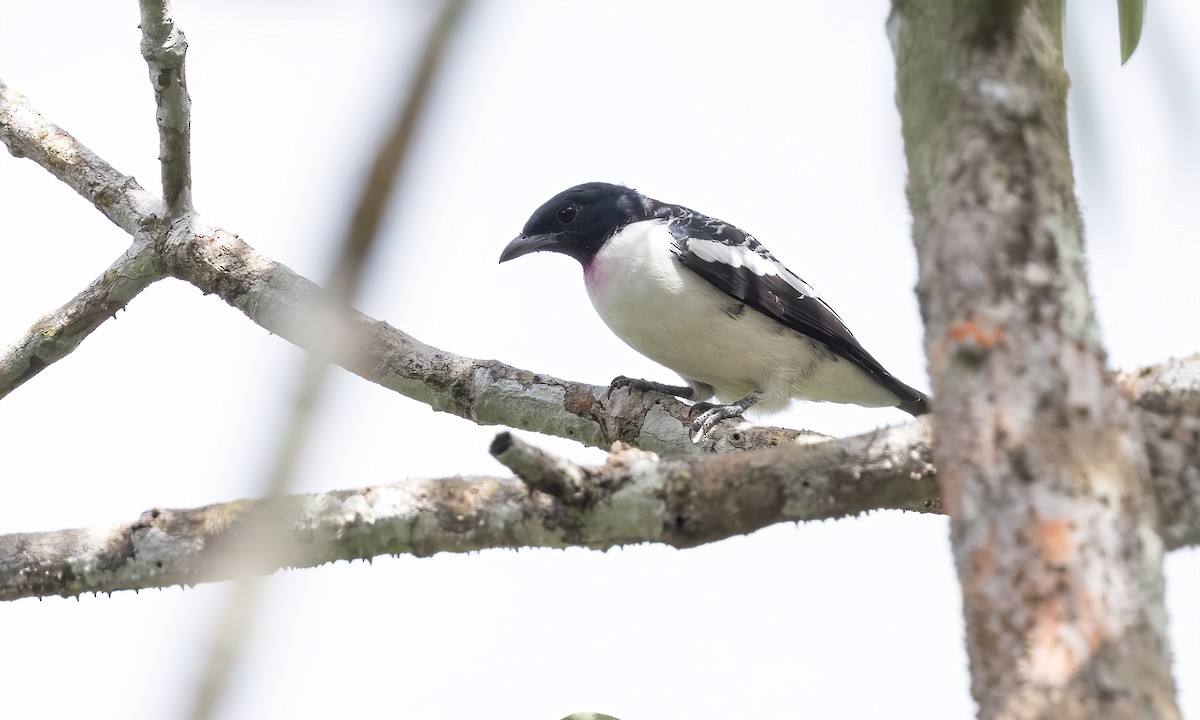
566 214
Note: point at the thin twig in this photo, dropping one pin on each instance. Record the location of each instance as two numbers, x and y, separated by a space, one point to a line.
54 336
328 320
164 47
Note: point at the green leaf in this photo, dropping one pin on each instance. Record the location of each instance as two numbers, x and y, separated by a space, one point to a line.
1129 17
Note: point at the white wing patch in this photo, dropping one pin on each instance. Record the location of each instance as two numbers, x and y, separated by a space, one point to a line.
679 319
741 256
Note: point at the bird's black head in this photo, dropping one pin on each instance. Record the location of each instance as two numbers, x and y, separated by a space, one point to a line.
578 221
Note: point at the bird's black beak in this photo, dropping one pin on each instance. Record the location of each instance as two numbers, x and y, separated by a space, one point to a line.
525 244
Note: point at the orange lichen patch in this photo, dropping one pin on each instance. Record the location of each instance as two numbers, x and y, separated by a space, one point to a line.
1055 539
1056 649
1091 621
952 496
984 564
1070 625
1060 644
985 336
577 401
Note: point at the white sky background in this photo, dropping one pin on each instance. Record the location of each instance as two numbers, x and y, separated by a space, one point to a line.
784 124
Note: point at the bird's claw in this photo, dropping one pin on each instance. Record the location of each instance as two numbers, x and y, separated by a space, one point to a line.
619 382
710 417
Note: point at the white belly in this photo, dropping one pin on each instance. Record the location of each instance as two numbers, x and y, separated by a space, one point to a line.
678 319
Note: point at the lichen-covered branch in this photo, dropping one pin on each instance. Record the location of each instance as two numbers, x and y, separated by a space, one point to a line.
1043 467
571 483
164 47
27 133
634 497
57 334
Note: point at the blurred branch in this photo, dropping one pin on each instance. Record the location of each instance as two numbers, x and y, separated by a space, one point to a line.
634 497
329 319
266 545
164 47
388 165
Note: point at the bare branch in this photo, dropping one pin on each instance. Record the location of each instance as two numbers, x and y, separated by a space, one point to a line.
164 47
634 497
540 470
27 133
637 497
57 334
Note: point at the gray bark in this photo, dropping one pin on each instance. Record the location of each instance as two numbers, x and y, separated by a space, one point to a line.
164 47
1042 465
635 497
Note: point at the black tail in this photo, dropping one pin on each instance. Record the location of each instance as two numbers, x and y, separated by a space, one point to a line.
917 407
914 402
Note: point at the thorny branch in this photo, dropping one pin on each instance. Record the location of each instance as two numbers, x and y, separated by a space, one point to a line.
57 334
635 497
341 288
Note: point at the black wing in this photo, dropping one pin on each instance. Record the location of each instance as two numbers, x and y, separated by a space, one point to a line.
705 245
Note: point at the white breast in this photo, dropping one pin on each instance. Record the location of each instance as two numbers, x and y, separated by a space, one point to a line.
676 318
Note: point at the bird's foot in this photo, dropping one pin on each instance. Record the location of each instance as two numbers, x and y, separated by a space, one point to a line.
620 381
716 413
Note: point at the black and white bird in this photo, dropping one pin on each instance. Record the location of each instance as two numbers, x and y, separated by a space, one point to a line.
707 300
